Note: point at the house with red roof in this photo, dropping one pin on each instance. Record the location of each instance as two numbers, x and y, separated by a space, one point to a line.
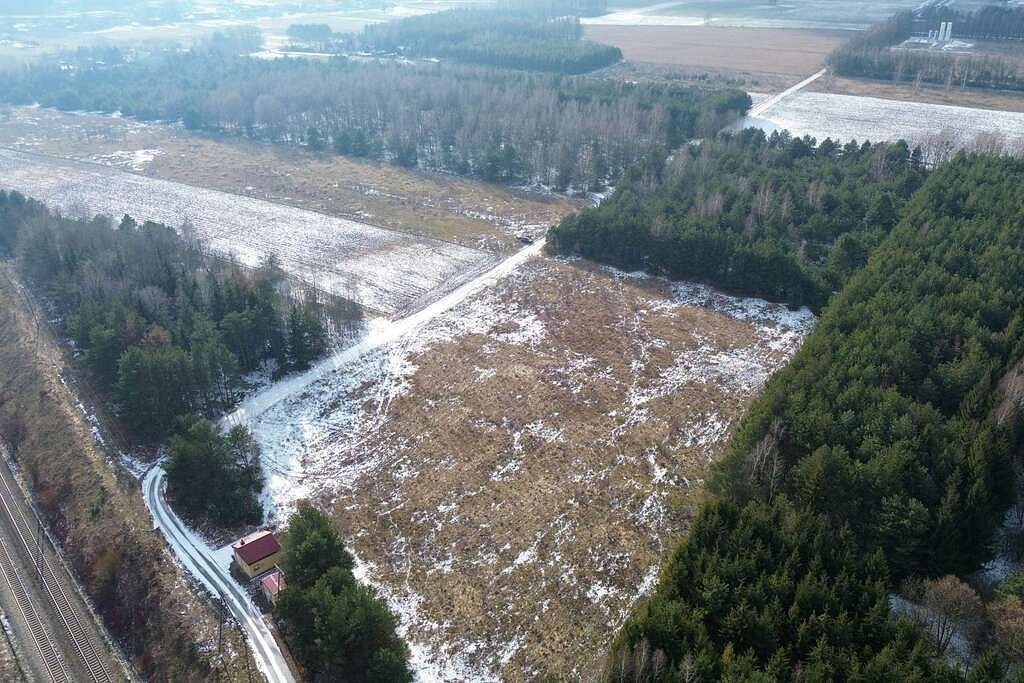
272 584
257 553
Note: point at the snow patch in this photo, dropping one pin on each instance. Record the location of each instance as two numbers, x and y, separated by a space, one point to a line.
137 160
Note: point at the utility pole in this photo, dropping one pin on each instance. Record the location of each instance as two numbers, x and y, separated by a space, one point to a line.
39 547
245 649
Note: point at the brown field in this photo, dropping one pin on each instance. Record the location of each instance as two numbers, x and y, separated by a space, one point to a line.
475 214
514 475
932 94
1010 50
757 52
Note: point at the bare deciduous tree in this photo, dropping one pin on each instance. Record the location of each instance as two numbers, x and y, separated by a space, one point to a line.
764 462
1007 615
945 607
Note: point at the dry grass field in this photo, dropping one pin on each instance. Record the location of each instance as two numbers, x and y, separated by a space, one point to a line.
512 475
931 94
757 52
386 271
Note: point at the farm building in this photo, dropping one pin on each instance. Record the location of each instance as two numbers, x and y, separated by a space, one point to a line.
272 584
256 553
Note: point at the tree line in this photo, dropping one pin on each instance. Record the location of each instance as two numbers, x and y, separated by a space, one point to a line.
872 55
337 628
541 39
883 451
563 132
777 217
165 328
992 22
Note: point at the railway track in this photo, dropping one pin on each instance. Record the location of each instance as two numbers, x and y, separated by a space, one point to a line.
48 653
68 615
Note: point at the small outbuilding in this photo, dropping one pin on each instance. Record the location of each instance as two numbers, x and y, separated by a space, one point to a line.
272 584
256 553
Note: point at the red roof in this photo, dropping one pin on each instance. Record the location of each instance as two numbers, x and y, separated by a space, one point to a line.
274 582
255 547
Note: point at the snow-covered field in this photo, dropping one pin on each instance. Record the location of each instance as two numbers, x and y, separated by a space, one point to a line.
935 127
508 471
384 270
805 14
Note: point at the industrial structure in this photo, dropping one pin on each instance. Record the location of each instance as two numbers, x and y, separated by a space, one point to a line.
943 34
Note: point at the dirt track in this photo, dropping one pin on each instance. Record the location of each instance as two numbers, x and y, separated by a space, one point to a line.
512 474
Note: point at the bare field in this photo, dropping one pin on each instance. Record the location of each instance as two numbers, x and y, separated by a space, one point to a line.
757 51
940 130
930 94
512 475
383 270
471 213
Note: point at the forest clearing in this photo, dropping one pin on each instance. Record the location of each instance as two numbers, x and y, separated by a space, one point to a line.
533 340
588 401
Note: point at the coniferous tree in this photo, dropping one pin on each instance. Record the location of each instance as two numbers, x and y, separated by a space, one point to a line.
896 447
338 629
214 475
165 328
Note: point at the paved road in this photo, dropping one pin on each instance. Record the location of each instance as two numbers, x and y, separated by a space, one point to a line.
200 561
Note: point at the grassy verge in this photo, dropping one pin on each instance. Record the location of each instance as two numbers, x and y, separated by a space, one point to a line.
168 630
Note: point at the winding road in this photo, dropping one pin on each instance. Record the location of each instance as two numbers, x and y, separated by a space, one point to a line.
204 565
198 557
